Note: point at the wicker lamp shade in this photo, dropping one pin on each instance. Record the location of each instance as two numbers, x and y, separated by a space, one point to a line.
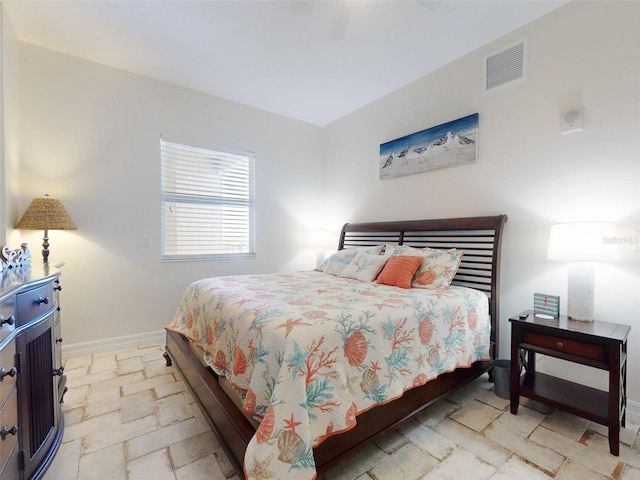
46 214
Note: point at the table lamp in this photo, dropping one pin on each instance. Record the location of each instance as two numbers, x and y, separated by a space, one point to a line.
582 243
46 214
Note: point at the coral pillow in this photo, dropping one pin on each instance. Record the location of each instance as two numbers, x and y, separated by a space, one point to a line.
399 270
438 266
438 269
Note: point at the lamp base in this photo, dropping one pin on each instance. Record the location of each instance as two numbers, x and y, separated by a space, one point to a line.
45 247
580 292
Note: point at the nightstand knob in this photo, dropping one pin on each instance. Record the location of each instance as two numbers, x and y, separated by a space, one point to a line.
560 344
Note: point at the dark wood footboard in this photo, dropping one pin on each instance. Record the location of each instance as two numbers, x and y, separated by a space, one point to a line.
231 426
235 431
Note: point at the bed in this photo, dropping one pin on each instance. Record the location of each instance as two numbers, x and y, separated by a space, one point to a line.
352 392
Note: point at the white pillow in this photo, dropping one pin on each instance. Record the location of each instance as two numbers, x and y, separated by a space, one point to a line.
336 263
365 267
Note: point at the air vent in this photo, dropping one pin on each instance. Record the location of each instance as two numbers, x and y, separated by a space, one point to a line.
506 67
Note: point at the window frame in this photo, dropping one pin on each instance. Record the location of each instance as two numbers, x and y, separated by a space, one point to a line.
168 196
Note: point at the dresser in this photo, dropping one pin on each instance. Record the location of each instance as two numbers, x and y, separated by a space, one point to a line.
32 381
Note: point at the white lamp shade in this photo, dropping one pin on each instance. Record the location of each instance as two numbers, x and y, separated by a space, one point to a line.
583 241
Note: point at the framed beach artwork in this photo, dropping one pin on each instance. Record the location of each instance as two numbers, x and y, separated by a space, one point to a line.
447 145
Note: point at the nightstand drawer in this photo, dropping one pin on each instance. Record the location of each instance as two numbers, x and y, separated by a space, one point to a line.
34 303
562 345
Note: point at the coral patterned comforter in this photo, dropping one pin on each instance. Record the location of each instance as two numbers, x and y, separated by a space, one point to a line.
309 351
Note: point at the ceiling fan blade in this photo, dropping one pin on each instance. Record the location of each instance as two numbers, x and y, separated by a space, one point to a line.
302 7
340 22
430 5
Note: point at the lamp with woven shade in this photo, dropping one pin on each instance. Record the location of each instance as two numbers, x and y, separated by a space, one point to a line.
46 214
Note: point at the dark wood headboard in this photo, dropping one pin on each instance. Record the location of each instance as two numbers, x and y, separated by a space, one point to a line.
479 237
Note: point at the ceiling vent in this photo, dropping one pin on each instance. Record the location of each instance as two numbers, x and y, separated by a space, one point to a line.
506 67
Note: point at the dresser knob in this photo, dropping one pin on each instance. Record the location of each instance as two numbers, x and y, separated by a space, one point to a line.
59 288
9 321
8 431
10 373
59 340
560 344
58 372
41 300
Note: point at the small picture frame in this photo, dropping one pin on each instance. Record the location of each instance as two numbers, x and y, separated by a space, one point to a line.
546 304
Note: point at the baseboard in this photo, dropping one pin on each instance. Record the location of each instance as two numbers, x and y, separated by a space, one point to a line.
633 412
112 344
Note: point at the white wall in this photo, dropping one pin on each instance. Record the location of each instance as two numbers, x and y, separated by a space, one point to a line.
9 128
585 54
3 173
90 136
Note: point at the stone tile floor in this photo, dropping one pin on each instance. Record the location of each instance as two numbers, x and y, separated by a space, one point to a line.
128 416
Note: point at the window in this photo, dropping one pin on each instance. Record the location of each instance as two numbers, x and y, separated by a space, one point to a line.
207 203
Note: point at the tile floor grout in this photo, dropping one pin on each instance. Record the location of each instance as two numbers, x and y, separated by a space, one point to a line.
129 417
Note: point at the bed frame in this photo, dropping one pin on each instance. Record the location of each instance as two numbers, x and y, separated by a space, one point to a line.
479 237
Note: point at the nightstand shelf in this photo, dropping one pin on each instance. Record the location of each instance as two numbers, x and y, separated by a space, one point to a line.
601 345
574 398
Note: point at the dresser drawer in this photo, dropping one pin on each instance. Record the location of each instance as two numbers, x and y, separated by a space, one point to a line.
9 370
33 303
8 423
11 468
7 317
562 345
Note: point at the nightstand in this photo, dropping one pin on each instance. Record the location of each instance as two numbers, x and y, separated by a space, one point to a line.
597 344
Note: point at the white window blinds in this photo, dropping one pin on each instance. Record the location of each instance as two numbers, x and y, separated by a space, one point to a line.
207 203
